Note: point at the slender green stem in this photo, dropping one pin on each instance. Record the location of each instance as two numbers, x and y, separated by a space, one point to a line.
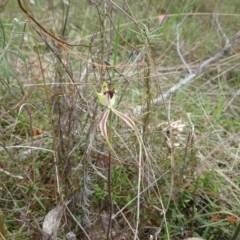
109 174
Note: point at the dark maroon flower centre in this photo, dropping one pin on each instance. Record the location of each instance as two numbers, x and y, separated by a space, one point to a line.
110 93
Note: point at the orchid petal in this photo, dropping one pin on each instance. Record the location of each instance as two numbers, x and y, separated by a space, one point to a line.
125 118
102 99
110 98
103 124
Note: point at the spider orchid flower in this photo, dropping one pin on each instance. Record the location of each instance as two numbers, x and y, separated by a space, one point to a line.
107 98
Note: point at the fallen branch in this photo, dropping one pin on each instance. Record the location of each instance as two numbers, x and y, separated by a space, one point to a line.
191 76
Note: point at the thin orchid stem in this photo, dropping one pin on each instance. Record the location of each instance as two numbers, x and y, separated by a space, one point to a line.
109 175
